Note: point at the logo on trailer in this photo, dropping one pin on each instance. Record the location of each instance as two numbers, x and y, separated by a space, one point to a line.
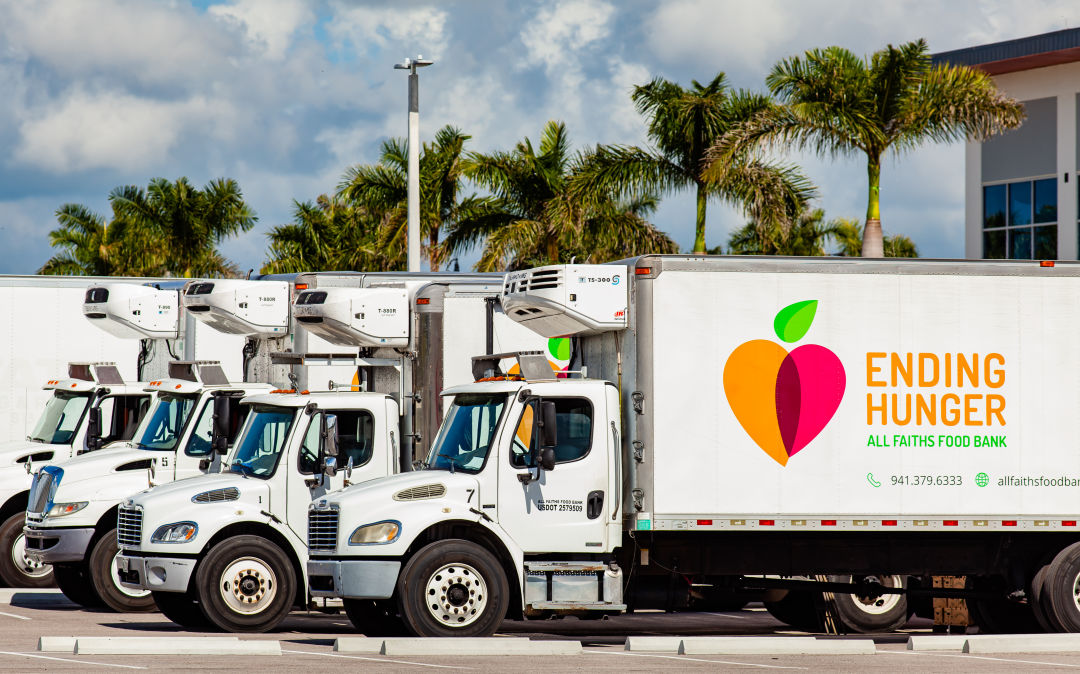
784 399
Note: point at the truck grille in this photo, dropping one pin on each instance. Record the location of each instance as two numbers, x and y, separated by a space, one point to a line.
129 527
41 492
322 529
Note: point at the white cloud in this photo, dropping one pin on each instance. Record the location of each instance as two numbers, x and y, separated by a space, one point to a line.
414 30
269 24
111 130
557 32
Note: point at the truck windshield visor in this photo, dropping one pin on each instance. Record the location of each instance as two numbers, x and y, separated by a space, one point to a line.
262 441
467 432
60 420
164 424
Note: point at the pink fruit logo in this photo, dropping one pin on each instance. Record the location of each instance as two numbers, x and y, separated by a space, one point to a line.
782 398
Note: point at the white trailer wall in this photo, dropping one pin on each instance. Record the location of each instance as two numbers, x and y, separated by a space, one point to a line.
707 463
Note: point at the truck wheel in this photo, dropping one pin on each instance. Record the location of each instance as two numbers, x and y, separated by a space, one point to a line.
245 584
181 608
74 581
1063 587
999 615
15 569
796 608
106 580
866 614
374 618
453 588
1039 598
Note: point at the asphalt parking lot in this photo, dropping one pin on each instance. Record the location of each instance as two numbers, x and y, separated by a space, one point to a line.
307 641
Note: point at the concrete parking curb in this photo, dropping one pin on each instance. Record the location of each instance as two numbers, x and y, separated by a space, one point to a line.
358 645
653 644
941 642
1023 643
455 646
54 644
34 597
174 646
775 646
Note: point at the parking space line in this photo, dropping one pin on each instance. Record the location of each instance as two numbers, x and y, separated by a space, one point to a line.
79 662
14 615
683 657
357 657
980 657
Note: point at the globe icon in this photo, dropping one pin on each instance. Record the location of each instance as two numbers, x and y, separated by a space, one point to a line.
982 479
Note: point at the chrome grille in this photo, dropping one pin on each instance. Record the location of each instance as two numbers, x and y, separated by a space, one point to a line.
217 495
322 528
41 492
421 492
129 527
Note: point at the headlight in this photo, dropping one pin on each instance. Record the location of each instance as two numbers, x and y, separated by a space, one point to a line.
178 532
376 534
61 509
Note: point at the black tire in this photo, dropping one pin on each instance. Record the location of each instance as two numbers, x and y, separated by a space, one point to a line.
15 569
1061 585
107 583
1000 615
182 609
477 593
796 609
74 581
866 614
245 584
374 618
1040 601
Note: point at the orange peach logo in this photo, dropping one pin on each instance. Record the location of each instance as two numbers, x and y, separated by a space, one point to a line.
784 399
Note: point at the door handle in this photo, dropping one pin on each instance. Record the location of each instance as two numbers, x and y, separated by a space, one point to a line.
594 505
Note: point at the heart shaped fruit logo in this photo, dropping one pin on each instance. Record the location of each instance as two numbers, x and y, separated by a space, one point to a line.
782 398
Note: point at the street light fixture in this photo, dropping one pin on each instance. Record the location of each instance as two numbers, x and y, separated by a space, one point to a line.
413 230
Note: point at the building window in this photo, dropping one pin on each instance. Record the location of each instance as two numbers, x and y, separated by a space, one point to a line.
1020 220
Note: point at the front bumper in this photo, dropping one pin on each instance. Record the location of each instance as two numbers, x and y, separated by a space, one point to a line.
50 546
353 579
160 574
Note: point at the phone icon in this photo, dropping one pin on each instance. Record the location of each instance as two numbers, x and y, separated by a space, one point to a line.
871 480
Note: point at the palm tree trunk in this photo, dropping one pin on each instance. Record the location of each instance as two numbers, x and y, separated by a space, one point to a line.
699 235
872 244
433 249
552 247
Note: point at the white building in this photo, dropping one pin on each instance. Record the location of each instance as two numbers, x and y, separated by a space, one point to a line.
1021 196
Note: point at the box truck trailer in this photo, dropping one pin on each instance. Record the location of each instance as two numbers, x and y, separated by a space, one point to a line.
246 530
738 416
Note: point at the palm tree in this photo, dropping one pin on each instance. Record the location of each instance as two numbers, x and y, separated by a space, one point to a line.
383 188
91 247
185 222
848 235
538 219
683 124
330 234
835 103
806 236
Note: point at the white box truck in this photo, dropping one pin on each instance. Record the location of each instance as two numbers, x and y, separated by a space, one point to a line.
792 417
230 550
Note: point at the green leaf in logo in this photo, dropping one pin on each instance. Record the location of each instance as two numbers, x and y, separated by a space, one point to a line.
792 322
559 348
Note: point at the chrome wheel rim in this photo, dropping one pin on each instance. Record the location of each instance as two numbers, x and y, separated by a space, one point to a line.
114 572
248 586
25 565
456 595
880 604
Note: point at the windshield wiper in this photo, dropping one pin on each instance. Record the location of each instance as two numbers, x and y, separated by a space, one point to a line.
245 467
451 459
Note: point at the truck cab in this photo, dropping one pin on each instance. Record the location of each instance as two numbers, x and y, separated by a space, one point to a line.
92 408
518 507
71 513
230 549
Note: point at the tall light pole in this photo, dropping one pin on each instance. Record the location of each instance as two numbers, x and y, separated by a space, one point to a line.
414 157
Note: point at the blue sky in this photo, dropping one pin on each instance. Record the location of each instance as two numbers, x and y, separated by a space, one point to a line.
284 95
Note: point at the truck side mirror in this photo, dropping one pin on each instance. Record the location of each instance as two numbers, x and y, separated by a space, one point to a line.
93 428
219 433
547 458
330 466
328 438
549 431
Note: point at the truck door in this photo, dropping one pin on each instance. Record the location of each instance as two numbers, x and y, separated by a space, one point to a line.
565 510
199 456
358 440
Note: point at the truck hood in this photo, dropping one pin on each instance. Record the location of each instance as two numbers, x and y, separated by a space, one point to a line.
13 450
110 473
383 489
171 494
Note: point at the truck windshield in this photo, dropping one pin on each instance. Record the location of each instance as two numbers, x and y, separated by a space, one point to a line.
467 432
60 420
262 441
162 427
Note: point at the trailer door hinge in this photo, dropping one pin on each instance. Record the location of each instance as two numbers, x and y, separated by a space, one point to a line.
638 398
639 451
